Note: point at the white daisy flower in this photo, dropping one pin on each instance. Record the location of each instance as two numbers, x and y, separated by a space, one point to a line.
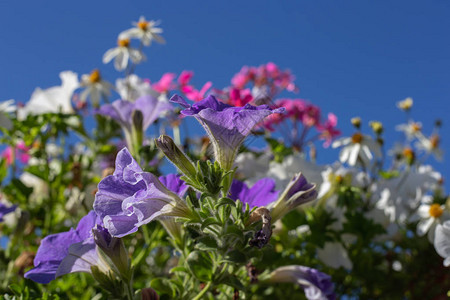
144 30
442 241
95 87
52 100
133 87
430 145
122 53
358 146
411 129
430 215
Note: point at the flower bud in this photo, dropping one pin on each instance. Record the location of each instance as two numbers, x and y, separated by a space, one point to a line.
176 156
356 121
298 191
112 248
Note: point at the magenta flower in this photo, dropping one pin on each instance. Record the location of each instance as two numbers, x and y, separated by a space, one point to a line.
227 126
131 197
19 152
55 248
328 130
185 77
194 94
165 84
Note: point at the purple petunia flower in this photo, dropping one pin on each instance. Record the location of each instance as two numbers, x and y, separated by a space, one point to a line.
125 113
6 210
131 197
317 285
297 192
55 249
174 184
227 126
262 193
122 111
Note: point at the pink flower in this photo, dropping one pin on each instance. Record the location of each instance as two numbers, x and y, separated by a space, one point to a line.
21 153
195 95
239 98
295 108
165 83
185 77
311 116
328 130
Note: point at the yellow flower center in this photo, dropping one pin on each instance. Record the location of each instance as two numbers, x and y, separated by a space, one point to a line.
408 153
416 127
406 104
95 76
434 141
339 179
435 210
143 25
357 138
123 43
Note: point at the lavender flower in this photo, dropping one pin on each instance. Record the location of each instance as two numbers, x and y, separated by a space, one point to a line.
6 210
262 193
174 184
227 126
298 191
138 115
57 247
317 285
131 197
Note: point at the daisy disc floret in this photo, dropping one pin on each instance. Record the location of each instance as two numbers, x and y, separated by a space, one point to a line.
122 53
144 30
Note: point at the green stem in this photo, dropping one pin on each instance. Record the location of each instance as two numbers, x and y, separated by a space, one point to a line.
203 291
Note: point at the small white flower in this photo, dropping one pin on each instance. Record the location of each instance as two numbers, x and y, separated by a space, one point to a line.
442 241
6 107
411 129
133 87
334 255
358 146
430 145
122 53
95 87
144 30
430 215
52 100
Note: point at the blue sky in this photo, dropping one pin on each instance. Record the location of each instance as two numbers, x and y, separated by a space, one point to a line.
349 57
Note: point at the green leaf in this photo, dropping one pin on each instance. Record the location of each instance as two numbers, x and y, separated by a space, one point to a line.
206 243
201 265
163 286
236 257
225 201
209 221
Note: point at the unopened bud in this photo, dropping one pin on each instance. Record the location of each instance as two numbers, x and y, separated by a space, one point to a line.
377 127
406 104
176 156
113 248
356 121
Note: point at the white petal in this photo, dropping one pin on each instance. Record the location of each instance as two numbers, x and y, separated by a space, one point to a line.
110 54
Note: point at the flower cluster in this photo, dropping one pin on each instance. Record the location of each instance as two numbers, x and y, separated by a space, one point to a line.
86 189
